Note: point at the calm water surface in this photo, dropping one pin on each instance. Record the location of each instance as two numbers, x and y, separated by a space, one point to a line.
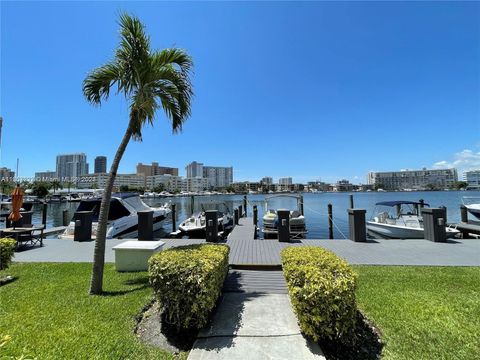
315 207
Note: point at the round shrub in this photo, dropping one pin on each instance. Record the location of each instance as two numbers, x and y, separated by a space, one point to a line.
7 249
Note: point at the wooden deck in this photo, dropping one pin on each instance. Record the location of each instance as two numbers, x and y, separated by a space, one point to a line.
251 281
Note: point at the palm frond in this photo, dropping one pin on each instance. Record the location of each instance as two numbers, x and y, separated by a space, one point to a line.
98 83
172 56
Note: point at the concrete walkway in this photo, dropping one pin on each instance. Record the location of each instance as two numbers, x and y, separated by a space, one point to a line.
254 326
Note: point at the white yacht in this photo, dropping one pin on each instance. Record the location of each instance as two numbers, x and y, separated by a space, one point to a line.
472 203
400 220
270 219
195 225
122 217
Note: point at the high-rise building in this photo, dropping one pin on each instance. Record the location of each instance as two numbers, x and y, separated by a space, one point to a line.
6 174
285 181
413 179
217 176
267 180
194 169
472 178
71 166
100 164
155 169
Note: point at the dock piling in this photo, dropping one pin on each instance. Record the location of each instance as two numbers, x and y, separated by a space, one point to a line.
211 218
240 211
301 205
356 225
235 216
245 204
174 217
283 225
83 226
330 221
192 203
351 202
44 214
464 214
145 225
65 219
255 215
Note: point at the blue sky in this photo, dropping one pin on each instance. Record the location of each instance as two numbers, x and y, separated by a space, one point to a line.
313 90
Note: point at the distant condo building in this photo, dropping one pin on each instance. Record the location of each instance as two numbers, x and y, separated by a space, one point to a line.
472 178
100 164
71 166
155 169
285 181
194 169
99 181
45 175
6 174
217 176
413 179
267 180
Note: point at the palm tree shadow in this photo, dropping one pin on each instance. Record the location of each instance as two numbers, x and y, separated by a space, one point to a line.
143 281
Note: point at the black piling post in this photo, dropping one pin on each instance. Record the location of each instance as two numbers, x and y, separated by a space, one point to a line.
356 225
211 218
301 205
255 215
330 221
351 202
65 219
235 216
464 214
240 211
245 204
174 217
44 214
283 225
83 226
192 203
145 225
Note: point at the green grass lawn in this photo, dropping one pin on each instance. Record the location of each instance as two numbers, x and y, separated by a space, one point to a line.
423 312
49 315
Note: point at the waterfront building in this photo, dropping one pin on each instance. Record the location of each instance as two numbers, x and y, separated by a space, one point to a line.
285 184
343 185
267 180
246 186
100 164
196 184
155 169
218 177
413 179
48 175
169 182
6 174
472 178
99 181
194 169
71 166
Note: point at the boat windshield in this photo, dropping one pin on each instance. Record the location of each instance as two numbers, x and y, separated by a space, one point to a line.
117 210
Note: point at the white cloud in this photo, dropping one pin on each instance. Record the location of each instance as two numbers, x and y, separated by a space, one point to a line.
463 161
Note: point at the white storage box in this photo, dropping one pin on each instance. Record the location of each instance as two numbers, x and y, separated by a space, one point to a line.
133 255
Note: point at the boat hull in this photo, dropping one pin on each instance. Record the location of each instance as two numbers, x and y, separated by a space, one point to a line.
395 231
475 211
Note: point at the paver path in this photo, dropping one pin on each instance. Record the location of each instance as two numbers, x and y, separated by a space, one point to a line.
254 326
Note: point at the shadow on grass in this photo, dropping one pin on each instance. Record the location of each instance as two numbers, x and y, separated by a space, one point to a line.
366 346
124 292
142 280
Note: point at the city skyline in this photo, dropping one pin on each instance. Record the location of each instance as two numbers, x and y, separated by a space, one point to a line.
378 98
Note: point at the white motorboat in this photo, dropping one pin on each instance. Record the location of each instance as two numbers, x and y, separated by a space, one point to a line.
270 219
472 203
195 225
404 222
122 217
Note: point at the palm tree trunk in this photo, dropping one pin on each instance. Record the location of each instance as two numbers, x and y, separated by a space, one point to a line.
96 283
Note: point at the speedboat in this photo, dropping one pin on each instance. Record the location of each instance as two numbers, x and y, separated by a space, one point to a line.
270 219
122 217
472 203
404 222
195 225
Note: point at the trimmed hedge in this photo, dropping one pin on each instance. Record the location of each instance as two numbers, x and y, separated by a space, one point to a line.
322 291
7 249
187 281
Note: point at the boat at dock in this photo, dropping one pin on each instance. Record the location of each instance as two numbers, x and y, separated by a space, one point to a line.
297 219
472 203
122 217
400 220
195 225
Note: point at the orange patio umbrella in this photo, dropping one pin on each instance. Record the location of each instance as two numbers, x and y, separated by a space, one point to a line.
17 202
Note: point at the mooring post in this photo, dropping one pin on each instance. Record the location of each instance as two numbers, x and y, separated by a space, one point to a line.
145 225
330 221
434 225
211 218
83 226
283 225
301 205
235 216
240 211
356 225
351 202
444 213
192 203
464 214
255 215
245 204
174 217
65 217
44 214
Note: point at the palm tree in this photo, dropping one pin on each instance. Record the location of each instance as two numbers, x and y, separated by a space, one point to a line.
149 80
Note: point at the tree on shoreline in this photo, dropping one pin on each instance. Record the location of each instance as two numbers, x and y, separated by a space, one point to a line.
149 80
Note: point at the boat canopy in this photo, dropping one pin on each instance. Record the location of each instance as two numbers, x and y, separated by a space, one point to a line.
295 196
400 202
